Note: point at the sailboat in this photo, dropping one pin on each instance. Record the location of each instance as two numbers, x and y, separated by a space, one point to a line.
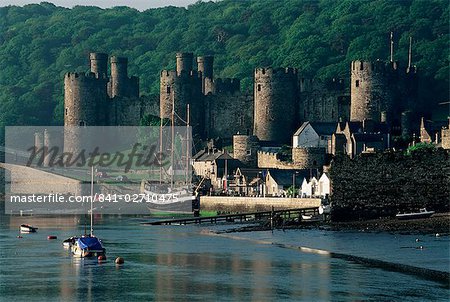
87 245
170 197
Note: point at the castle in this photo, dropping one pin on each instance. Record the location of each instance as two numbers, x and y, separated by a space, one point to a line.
282 100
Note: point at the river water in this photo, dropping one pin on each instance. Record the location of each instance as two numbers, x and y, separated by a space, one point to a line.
188 263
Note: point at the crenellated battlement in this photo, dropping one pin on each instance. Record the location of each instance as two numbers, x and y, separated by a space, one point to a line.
80 76
377 66
279 71
226 85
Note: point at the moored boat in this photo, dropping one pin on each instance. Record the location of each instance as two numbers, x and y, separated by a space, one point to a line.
423 213
69 241
87 246
26 228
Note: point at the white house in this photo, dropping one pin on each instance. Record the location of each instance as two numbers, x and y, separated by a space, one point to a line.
309 189
313 135
316 188
306 189
323 186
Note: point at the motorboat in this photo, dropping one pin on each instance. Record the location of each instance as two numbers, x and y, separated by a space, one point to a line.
423 213
69 241
26 228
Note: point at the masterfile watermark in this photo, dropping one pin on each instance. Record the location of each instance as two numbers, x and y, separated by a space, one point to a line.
139 156
122 170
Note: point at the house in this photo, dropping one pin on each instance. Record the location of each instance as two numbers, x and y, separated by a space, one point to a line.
353 138
278 182
248 181
316 188
323 185
214 164
431 131
445 136
314 134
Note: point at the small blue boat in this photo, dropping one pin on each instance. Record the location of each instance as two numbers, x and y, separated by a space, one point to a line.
88 246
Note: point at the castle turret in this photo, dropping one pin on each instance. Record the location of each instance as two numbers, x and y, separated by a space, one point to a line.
184 62
245 149
371 90
205 66
84 100
182 90
119 76
275 112
99 64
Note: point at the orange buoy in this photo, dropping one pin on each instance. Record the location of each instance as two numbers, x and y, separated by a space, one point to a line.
101 258
119 260
51 237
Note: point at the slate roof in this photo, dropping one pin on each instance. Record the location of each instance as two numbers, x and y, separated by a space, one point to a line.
321 128
204 155
284 177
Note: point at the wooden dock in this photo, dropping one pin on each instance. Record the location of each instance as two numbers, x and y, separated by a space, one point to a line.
239 217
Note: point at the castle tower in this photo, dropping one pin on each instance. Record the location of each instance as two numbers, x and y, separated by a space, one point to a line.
205 66
184 62
275 112
119 76
99 64
245 149
84 100
372 90
84 105
181 90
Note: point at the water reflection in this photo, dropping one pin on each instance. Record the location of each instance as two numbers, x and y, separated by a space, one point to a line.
179 263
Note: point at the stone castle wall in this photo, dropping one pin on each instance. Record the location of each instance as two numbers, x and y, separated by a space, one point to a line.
307 158
228 114
245 149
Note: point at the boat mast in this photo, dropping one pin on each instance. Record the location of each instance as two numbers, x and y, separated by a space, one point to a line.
92 198
160 148
172 141
187 145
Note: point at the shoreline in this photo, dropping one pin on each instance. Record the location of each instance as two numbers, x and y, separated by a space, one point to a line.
437 225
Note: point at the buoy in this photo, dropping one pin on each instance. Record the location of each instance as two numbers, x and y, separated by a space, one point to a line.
421 247
437 235
101 258
417 239
51 237
19 237
119 260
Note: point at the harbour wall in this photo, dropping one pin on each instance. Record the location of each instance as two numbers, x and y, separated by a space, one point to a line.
26 180
384 184
254 204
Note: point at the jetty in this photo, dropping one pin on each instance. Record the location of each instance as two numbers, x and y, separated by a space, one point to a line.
240 217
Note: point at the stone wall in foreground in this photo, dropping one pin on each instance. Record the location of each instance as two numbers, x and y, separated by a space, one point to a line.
383 184
254 204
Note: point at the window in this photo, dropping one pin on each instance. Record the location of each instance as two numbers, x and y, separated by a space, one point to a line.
82 123
168 89
67 110
249 152
357 83
314 163
259 87
361 67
